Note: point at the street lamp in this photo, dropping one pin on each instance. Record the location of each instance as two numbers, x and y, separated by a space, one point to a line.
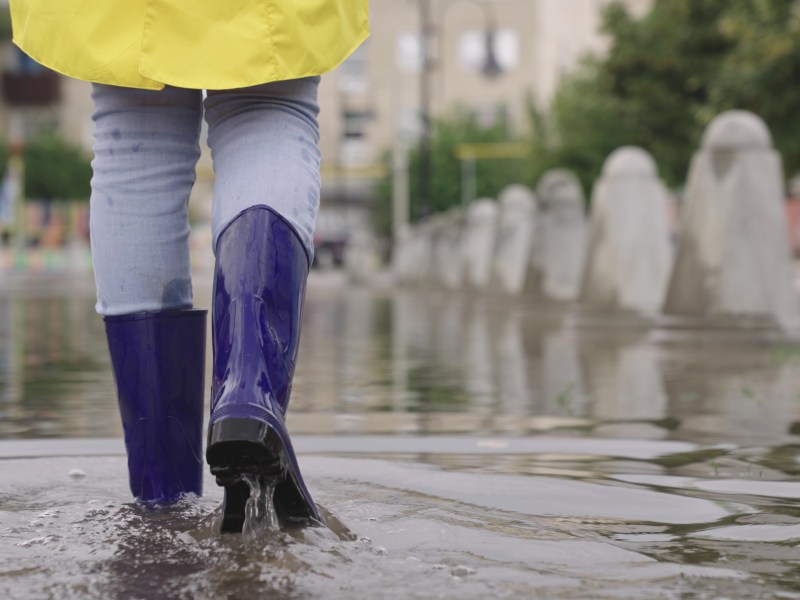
490 69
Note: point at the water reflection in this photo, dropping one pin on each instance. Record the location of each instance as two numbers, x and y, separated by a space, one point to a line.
54 376
478 444
424 362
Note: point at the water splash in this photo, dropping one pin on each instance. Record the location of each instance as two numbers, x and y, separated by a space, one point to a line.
259 512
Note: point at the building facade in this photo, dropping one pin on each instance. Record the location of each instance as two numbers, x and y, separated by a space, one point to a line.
487 56
373 101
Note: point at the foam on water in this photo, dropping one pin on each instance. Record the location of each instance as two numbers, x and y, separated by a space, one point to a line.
259 513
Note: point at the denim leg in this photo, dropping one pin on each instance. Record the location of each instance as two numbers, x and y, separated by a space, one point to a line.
146 147
264 144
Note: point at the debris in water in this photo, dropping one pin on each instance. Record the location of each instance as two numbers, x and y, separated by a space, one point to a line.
462 571
76 474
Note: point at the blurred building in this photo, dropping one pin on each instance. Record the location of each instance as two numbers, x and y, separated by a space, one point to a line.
35 99
372 102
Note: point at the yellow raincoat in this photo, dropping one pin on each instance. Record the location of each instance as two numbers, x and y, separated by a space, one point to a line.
201 44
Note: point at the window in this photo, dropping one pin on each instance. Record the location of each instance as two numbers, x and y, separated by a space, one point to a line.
473 50
355 123
354 72
409 52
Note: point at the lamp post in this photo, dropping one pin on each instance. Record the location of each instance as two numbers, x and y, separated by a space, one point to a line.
426 134
490 69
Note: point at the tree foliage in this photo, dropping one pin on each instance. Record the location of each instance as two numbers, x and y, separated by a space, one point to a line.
762 70
668 74
663 79
55 169
463 127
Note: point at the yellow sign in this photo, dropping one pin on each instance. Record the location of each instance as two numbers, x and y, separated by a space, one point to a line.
498 150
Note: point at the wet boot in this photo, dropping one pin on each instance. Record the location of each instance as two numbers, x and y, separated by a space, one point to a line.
158 360
259 288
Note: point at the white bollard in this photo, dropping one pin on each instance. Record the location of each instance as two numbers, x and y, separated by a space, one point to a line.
448 259
360 257
516 226
630 251
561 239
478 244
734 258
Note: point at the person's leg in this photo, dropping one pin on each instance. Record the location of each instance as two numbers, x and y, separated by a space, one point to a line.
264 146
146 147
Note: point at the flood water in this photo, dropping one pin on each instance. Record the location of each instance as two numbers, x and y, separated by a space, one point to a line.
461 447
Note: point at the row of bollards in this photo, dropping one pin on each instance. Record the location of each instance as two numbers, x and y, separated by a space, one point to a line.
728 256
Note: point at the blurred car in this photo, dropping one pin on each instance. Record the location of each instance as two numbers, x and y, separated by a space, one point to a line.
330 239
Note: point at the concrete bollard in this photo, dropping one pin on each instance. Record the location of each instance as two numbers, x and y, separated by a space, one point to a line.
734 258
448 259
630 251
560 243
516 224
478 243
360 257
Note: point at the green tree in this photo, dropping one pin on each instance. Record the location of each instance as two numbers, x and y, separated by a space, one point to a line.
56 169
661 70
584 125
653 89
463 127
761 71
668 74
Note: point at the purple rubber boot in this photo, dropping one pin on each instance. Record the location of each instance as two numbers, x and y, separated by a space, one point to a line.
158 360
259 288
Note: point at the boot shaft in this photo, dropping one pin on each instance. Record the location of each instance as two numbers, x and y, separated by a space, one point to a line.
259 290
158 361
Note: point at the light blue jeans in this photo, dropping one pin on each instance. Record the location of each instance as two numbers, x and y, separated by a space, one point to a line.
264 146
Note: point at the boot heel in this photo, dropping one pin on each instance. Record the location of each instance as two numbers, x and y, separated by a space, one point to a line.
251 498
239 446
234 506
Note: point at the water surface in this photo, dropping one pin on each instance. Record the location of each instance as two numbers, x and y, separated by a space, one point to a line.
460 447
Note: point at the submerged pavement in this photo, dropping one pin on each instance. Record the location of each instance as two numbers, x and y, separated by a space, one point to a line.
460 448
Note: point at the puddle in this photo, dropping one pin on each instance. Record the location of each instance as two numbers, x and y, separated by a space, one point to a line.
458 448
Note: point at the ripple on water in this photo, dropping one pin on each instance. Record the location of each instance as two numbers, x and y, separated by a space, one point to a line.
397 530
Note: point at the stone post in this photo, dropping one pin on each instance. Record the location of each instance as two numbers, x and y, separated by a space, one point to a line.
734 258
560 245
479 241
449 262
630 251
517 221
